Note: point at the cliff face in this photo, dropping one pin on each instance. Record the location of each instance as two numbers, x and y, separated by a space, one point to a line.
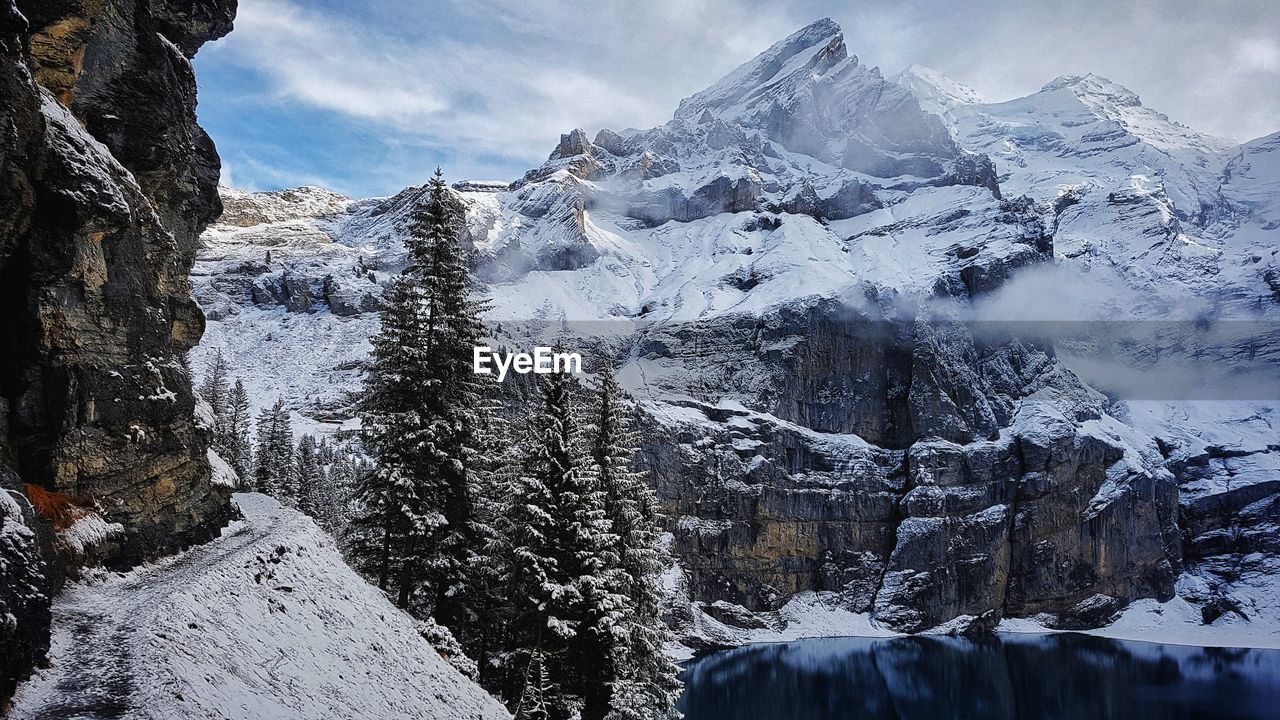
1014 493
108 181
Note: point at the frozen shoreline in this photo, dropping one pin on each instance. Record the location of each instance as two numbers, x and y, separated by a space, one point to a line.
809 616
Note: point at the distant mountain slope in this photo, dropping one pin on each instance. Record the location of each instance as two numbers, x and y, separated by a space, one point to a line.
937 93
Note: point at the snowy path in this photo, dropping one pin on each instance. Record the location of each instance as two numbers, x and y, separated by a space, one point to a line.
264 622
96 625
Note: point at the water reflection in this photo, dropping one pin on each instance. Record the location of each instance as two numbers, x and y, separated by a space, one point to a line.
1064 676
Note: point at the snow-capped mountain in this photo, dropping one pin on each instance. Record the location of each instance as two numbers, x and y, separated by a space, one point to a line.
1252 178
1132 191
937 93
781 270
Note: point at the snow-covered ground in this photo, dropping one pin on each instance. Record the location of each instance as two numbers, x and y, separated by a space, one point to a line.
1176 622
267 621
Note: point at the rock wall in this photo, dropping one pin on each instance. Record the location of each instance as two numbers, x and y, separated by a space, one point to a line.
984 479
108 181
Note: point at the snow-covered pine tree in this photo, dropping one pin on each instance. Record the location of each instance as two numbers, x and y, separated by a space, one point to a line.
541 698
340 475
234 444
454 328
324 451
274 467
421 410
483 631
395 515
310 477
283 446
562 557
264 475
645 686
216 388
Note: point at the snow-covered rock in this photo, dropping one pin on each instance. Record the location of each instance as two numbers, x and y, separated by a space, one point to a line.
246 209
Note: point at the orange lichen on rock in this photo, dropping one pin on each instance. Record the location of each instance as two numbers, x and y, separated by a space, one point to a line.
58 508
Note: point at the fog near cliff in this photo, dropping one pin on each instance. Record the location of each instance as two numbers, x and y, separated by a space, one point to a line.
1131 345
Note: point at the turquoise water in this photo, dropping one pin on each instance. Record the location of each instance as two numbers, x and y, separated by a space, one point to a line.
1068 676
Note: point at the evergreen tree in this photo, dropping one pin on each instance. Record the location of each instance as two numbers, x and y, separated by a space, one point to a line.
488 595
562 557
395 517
274 466
420 410
540 699
310 477
645 686
340 475
233 442
216 388
454 328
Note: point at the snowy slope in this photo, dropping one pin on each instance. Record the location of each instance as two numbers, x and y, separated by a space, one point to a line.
1125 188
1252 178
1089 127
265 622
937 93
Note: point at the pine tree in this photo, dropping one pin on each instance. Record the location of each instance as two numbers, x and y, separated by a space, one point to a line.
284 455
645 686
420 410
310 477
488 595
331 506
540 699
274 466
562 554
233 442
264 476
454 328
215 390
397 513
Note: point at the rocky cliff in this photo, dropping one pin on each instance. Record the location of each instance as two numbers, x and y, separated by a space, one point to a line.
108 182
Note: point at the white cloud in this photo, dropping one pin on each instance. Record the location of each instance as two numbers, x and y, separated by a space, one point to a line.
1258 54
486 98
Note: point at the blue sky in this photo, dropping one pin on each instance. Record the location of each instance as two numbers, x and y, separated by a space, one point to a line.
368 97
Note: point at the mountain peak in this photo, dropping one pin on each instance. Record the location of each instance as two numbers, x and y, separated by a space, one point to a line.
820 43
808 94
822 27
1095 87
936 92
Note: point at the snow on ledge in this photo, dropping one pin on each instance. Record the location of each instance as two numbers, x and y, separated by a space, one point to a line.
818 615
221 473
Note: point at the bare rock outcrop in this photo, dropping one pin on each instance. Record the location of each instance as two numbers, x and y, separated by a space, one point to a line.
926 474
108 182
